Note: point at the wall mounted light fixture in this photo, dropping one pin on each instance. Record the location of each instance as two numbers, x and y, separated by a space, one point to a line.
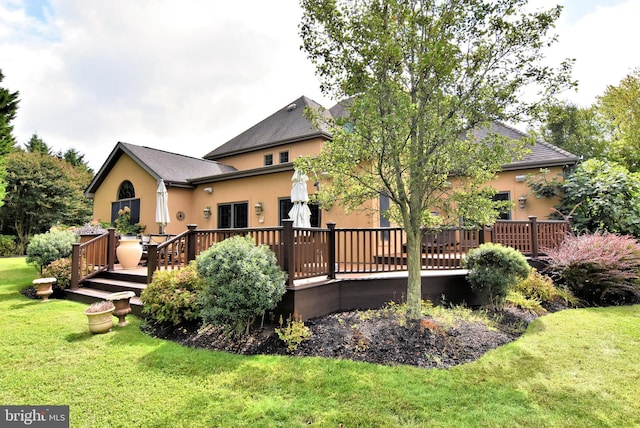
522 201
208 189
520 178
207 212
259 208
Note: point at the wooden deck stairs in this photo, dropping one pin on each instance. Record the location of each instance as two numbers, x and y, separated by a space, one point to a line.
105 283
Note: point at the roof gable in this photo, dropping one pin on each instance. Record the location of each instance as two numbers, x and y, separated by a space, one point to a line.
289 124
174 169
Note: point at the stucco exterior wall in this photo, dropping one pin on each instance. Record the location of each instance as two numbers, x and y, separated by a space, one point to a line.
145 189
268 189
256 159
539 207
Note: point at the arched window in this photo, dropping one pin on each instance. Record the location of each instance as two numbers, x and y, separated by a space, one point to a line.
126 190
126 198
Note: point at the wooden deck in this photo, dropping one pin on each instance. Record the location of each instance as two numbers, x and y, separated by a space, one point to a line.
309 297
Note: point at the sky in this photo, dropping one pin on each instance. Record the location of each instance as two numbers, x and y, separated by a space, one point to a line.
188 75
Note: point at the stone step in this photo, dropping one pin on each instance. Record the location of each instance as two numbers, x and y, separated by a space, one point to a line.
114 285
89 295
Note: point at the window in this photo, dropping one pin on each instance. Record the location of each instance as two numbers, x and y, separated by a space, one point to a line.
126 190
134 206
384 221
503 196
284 157
234 215
126 198
268 159
286 205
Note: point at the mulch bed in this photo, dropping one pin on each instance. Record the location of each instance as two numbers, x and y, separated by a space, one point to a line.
375 336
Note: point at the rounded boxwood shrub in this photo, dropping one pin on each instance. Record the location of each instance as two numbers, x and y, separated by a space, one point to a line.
242 282
47 247
493 269
172 296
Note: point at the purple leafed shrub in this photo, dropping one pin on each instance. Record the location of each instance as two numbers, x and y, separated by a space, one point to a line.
599 268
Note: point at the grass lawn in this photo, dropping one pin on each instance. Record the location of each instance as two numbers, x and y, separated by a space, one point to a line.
578 368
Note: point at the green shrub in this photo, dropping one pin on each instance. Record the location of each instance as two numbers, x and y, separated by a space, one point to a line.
599 268
172 296
47 247
242 282
517 299
293 334
537 286
493 269
60 270
7 245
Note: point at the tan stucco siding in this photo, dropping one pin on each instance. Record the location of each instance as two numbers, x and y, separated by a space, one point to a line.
145 189
256 159
539 207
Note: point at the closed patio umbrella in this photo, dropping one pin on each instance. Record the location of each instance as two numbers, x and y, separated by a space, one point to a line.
300 213
162 206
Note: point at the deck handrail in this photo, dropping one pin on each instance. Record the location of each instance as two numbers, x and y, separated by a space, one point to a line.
312 252
92 257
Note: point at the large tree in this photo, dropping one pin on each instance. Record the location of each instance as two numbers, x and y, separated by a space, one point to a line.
578 130
41 192
619 107
37 145
602 196
8 108
421 76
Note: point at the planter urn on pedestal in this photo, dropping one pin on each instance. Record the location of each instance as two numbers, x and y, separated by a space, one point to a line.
99 315
122 307
45 287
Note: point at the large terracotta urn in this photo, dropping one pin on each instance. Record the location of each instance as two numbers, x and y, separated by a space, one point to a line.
129 252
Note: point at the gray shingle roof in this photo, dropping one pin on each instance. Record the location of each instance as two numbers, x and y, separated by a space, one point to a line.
287 125
175 169
541 154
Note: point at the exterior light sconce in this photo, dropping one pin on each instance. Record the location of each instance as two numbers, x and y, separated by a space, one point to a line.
207 212
208 190
522 201
259 208
520 178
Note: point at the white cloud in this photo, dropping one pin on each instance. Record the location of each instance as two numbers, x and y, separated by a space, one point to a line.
601 39
188 75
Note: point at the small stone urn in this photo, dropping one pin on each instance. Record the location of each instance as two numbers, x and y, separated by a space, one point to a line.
122 308
45 287
99 317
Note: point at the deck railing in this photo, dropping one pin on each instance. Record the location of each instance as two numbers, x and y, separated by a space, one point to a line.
530 237
306 253
92 257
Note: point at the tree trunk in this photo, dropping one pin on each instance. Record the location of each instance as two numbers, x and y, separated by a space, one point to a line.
414 281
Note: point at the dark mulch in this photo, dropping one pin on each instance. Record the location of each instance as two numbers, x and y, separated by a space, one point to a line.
379 336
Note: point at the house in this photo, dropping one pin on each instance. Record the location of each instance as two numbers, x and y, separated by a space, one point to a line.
246 182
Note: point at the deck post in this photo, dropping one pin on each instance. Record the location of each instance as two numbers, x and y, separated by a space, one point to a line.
331 243
111 248
191 242
75 265
534 236
482 236
288 264
152 261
